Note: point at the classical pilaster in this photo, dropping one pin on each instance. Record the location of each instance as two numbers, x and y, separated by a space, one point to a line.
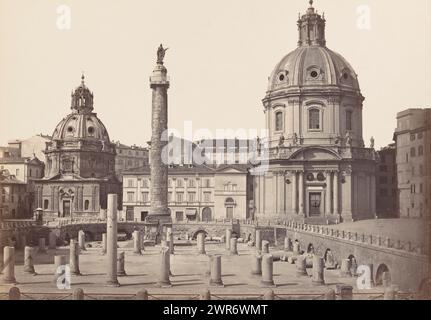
301 208
294 193
328 201
347 196
336 192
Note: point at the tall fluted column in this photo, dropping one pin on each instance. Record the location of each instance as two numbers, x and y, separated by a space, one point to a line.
159 83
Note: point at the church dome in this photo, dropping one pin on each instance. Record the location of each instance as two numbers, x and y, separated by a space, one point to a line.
81 126
82 123
312 64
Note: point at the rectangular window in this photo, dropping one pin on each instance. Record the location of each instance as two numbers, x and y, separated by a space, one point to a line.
207 196
192 196
130 183
169 196
130 197
314 119
180 196
191 183
17 172
349 120
145 197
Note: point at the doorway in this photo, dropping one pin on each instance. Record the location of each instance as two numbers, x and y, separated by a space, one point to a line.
315 204
66 208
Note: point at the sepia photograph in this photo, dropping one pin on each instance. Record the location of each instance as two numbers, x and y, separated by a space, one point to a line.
233 151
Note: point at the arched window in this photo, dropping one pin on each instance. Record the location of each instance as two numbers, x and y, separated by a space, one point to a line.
314 119
349 115
279 121
86 204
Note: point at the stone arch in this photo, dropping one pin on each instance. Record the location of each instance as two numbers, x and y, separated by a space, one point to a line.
379 273
195 234
310 248
327 252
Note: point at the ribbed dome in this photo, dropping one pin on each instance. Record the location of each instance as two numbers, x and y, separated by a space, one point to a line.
313 66
81 126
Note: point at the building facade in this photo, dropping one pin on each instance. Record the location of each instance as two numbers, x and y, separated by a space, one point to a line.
387 184
14 198
319 168
80 164
195 193
129 157
413 143
31 147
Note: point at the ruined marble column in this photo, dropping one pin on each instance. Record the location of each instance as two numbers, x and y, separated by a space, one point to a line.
318 271
228 237
103 252
267 271
265 246
234 246
137 242
81 240
74 258
215 278
59 260
209 264
111 250
28 260
345 268
258 240
8 276
42 247
287 245
165 267
301 266
296 248
121 261
201 243
170 237
256 264
52 241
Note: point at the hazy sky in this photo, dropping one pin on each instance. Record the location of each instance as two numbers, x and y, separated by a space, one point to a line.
221 54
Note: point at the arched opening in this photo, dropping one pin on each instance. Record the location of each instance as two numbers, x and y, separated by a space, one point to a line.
206 214
310 249
353 265
86 205
279 121
382 271
329 259
195 235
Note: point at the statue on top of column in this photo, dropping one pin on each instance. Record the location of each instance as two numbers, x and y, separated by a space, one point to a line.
161 54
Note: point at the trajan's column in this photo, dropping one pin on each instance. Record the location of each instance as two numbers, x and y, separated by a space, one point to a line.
159 83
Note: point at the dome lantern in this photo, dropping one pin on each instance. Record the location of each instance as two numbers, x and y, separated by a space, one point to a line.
311 27
82 98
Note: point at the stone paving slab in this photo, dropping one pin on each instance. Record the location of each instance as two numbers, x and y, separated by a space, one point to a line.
188 273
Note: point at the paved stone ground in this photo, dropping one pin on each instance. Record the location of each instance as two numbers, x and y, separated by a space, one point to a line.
187 268
414 230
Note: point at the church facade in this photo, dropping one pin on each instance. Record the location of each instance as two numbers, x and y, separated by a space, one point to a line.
80 164
319 168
